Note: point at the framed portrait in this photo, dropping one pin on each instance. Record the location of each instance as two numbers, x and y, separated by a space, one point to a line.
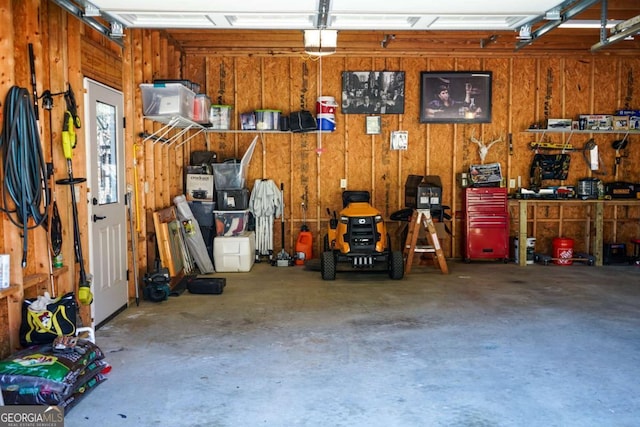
373 92
455 96
373 125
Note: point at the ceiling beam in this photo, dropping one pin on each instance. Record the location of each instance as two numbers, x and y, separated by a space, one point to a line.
621 35
574 10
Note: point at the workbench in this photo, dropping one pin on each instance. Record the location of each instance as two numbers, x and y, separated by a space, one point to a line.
595 217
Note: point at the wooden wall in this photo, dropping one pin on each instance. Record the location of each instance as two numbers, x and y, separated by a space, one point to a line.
524 87
526 90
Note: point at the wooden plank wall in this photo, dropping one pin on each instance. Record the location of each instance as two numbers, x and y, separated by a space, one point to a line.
526 90
65 51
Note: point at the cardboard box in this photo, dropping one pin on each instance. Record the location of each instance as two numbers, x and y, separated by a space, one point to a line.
559 124
627 112
598 121
200 187
620 122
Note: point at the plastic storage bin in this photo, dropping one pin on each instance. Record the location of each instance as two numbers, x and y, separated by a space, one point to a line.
167 100
220 116
231 223
267 119
203 212
232 176
201 105
234 254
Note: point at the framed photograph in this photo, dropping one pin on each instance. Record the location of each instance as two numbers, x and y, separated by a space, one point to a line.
373 92
373 125
455 97
399 140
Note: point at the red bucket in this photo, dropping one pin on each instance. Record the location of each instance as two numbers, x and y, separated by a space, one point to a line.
562 251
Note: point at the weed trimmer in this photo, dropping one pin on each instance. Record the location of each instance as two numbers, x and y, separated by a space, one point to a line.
70 123
283 259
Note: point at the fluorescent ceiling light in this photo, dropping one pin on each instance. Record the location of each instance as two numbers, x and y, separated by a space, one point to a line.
373 21
320 42
588 23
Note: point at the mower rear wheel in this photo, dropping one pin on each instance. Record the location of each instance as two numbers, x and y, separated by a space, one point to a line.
396 265
328 266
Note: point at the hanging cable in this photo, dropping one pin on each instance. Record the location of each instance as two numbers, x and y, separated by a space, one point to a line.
24 169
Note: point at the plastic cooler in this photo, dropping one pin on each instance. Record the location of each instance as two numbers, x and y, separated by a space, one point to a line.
234 254
326 122
326 105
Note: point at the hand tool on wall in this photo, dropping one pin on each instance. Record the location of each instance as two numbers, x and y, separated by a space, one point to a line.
134 248
70 123
618 145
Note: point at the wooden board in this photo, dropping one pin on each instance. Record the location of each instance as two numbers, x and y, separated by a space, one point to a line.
167 235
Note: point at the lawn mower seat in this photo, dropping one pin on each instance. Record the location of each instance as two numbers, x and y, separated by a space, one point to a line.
351 196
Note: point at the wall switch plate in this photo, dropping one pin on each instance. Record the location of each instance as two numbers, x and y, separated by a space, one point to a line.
512 183
343 183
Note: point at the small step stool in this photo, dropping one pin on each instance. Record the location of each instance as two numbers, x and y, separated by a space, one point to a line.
421 218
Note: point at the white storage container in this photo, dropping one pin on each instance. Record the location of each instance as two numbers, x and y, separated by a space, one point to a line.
220 116
234 254
167 100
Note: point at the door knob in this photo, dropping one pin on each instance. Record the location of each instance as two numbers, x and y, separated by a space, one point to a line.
97 218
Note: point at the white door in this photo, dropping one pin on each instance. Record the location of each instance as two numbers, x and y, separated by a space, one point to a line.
103 125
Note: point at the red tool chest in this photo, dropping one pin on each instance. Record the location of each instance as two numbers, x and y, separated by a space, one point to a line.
486 225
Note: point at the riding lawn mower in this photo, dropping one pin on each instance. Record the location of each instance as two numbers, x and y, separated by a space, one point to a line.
359 237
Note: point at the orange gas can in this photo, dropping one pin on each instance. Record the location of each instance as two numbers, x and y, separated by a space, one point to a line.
304 246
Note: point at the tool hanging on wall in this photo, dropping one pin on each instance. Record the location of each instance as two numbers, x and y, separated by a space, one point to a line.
23 179
52 225
70 123
593 159
619 145
134 248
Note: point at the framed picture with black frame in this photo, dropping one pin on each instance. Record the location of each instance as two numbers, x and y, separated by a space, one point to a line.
373 92
455 96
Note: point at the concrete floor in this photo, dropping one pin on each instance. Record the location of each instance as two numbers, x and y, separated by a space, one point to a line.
490 344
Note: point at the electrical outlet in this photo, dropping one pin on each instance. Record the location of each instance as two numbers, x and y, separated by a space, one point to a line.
343 183
512 183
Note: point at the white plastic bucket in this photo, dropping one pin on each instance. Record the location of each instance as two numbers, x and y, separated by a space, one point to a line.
326 105
326 122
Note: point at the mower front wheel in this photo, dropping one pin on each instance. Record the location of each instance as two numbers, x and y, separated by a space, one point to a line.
396 265
328 266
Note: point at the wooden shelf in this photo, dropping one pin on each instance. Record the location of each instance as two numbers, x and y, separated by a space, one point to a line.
10 291
593 217
586 131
